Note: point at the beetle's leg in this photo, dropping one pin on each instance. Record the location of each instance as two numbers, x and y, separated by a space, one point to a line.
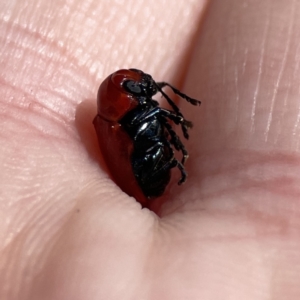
154 161
149 113
185 124
183 173
145 116
177 164
160 85
157 111
179 93
172 163
176 118
175 140
158 145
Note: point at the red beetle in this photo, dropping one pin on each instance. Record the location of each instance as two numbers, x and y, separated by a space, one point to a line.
136 136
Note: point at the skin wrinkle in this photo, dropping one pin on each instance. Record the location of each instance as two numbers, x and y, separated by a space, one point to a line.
58 130
29 96
46 51
245 60
260 68
234 26
29 263
236 81
283 65
206 254
282 186
296 125
254 172
283 112
224 63
297 62
33 231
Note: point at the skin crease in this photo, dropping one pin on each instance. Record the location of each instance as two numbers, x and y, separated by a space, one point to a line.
231 232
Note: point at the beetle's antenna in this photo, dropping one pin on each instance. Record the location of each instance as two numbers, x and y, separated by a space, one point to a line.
170 101
176 91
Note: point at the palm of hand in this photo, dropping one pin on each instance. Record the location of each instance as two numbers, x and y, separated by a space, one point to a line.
232 232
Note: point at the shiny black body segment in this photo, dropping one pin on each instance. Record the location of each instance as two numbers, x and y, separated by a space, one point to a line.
154 140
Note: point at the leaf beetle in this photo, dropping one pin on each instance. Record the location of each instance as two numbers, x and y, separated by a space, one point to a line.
135 134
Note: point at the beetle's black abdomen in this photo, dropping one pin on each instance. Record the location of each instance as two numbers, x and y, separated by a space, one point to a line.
151 156
150 172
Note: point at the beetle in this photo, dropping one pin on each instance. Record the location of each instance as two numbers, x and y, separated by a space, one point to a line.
135 134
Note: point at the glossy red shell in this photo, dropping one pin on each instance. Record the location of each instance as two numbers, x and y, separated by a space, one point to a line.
113 102
115 144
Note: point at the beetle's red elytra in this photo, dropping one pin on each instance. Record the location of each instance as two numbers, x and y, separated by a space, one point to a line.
135 134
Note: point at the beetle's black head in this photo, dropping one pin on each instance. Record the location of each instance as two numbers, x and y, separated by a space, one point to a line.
145 87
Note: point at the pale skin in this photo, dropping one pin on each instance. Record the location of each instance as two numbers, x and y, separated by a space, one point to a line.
231 232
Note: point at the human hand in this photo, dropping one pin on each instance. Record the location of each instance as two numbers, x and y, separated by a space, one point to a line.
231 232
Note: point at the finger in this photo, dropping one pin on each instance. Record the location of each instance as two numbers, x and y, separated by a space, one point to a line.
53 56
241 200
245 71
246 67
